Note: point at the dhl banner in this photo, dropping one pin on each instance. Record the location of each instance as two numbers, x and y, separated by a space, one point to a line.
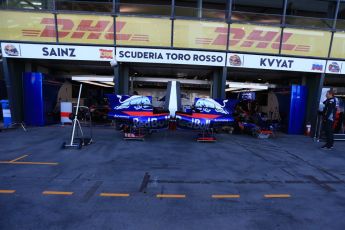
100 30
252 38
200 34
137 31
306 42
140 31
25 26
90 29
275 63
57 52
338 46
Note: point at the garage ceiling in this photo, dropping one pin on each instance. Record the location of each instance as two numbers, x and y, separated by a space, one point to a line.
175 71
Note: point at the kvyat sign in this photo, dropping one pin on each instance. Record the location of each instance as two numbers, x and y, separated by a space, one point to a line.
276 63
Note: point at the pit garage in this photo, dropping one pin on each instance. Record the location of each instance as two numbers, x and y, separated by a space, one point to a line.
277 93
59 80
152 80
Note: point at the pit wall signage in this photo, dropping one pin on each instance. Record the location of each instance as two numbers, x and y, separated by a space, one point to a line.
169 56
276 63
57 52
155 32
164 56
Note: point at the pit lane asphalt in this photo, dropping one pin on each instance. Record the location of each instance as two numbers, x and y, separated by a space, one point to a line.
242 166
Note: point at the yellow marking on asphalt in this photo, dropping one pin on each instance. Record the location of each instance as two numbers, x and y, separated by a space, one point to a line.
57 193
7 191
115 194
18 158
28 163
225 196
277 195
171 196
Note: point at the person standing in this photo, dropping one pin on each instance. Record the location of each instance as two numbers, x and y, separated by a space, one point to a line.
329 113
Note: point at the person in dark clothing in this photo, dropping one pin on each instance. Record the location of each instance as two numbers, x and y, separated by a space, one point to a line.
329 113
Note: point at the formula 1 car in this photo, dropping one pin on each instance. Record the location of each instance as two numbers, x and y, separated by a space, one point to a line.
250 121
205 116
136 115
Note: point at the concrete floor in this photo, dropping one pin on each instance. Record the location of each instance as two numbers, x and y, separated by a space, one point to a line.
235 165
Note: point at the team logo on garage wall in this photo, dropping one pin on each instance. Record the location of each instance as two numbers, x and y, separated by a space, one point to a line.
235 60
317 67
106 53
12 50
334 67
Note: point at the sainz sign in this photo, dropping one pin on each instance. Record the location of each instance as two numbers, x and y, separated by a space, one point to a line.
57 52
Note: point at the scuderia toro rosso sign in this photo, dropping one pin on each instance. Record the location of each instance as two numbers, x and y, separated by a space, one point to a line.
163 56
58 52
276 63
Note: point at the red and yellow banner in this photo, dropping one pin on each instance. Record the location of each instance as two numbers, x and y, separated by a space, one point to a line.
140 31
25 26
100 30
252 38
199 34
306 42
84 29
91 29
338 46
137 31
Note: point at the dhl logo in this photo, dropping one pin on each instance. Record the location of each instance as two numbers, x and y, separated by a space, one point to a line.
106 53
255 38
104 30
85 29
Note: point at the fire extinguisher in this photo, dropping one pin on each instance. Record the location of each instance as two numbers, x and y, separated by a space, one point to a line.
307 129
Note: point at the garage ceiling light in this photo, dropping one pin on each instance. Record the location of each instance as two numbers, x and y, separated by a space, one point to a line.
243 85
245 90
95 83
103 81
109 83
165 80
93 78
